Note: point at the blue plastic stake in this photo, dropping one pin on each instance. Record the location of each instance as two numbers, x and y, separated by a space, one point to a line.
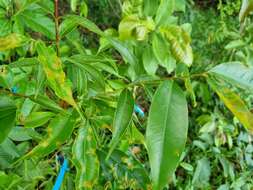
60 177
14 90
138 110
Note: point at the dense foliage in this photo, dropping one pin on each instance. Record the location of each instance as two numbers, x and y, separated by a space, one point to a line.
126 94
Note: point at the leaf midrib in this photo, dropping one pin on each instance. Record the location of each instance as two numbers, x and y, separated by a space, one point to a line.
166 121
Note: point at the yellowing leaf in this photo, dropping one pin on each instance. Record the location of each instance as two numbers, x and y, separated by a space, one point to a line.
12 41
247 7
180 43
236 105
56 77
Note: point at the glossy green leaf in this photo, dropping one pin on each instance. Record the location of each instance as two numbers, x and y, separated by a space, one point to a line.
59 130
7 116
12 41
73 5
72 21
166 132
85 159
162 53
150 7
180 5
38 119
150 63
235 104
38 22
122 118
247 7
8 152
235 44
202 173
6 27
23 62
160 48
103 63
164 10
41 79
47 103
235 73
84 10
126 166
92 71
20 134
56 77
46 6
7 181
79 80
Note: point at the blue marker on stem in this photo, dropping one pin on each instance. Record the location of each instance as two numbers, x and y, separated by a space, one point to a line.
138 110
61 174
14 89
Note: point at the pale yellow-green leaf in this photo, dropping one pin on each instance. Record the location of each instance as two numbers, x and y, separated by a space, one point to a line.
247 7
236 105
133 27
180 43
12 41
56 77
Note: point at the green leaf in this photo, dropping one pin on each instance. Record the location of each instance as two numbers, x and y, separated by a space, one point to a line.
122 118
41 78
166 132
73 5
160 48
150 63
165 10
12 41
38 119
150 7
72 21
202 173
85 159
24 62
79 62
235 44
138 174
56 77
101 63
6 27
180 5
247 7
59 130
38 22
235 104
235 73
7 181
7 116
20 134
47 103
8 152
